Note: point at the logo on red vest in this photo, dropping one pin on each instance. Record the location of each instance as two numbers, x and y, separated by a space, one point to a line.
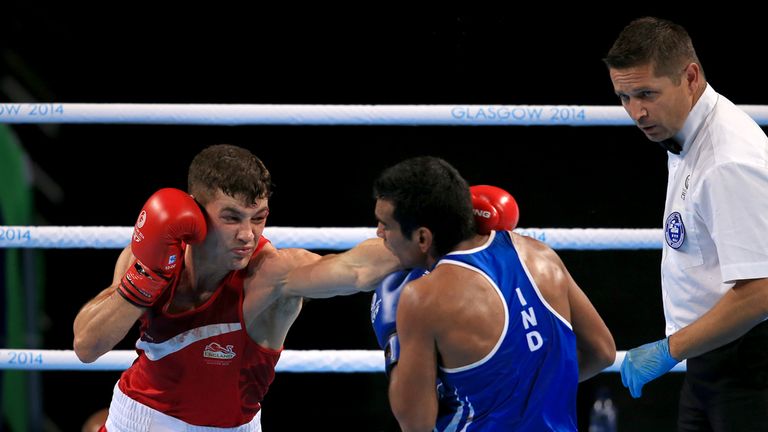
216 351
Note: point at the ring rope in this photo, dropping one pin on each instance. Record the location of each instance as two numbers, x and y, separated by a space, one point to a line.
71 237
388 115
321 361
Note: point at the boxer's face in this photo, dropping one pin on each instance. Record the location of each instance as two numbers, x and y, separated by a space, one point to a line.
234 229
407 250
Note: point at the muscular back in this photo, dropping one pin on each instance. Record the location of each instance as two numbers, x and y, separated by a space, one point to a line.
468 314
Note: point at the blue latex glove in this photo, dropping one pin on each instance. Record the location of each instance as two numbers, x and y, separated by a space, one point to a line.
646 363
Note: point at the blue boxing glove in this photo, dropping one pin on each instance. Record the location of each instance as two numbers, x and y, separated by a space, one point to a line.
384 312
646 363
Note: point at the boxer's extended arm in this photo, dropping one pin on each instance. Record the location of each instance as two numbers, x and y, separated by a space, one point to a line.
355 270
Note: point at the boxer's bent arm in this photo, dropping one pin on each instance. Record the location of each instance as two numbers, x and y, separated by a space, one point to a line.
355 270
595 346
594 343
106 319
412 392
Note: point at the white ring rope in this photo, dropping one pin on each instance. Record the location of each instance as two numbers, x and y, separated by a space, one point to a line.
290 361
68 237
389 115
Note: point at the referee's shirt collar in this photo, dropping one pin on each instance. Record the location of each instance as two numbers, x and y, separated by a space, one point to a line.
681 142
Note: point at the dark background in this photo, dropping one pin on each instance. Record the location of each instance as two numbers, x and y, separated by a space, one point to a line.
561 176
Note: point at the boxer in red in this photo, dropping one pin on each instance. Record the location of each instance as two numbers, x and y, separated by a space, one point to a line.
214 300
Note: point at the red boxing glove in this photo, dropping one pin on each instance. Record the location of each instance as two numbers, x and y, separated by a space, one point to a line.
169 217
494 209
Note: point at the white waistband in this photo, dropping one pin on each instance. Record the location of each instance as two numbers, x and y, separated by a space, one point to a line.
128 415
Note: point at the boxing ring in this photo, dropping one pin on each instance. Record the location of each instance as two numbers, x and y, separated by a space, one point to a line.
309 238
33 360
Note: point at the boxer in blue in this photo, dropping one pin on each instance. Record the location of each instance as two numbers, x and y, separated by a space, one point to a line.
498 321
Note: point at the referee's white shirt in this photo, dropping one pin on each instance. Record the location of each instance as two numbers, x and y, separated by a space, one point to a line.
716 213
